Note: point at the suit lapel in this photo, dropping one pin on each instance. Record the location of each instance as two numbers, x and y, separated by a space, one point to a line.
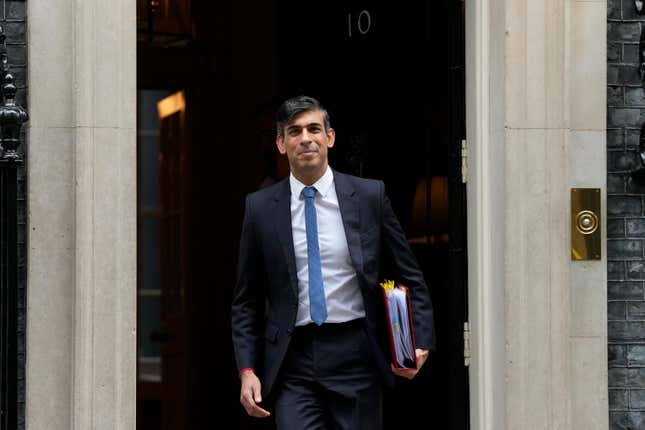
282 219
349 204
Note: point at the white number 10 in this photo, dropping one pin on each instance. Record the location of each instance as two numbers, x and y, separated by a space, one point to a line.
363 23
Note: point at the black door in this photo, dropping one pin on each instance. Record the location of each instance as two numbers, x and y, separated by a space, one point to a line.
392 78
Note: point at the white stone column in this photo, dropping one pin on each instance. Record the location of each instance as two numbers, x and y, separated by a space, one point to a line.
536 128
81 317
485 116
587 167
537 216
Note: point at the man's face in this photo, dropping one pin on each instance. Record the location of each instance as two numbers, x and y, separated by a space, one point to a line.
306 142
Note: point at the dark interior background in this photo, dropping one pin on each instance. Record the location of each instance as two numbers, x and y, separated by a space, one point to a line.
392 80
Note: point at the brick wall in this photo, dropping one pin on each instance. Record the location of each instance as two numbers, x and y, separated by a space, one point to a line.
626 219
13 17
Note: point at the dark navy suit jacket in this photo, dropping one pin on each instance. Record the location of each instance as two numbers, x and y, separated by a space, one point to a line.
265 300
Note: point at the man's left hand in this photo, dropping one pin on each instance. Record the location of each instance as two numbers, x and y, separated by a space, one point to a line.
422 356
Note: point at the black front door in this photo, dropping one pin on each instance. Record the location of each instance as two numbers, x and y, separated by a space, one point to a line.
392 78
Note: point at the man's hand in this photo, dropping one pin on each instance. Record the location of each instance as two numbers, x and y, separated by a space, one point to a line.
250 394
422 356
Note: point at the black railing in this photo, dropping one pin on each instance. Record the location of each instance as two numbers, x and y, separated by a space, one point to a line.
12 117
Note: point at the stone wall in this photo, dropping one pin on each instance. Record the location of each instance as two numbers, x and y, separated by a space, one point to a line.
81 195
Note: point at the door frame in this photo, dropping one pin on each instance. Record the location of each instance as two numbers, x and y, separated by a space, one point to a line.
485 202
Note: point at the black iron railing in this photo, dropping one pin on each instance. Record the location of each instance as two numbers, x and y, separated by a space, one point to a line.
12 117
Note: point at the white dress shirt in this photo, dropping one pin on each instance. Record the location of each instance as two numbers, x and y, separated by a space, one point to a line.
342 293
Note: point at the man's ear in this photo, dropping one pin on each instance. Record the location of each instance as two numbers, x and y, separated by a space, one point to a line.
279 141
331 136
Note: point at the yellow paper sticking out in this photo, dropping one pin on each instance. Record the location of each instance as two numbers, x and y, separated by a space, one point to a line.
387 285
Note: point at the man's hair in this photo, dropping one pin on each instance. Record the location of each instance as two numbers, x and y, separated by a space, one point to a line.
295 106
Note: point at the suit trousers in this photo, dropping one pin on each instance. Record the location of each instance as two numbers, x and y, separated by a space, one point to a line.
328 381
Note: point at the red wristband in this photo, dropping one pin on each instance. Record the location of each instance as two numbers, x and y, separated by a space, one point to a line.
246 369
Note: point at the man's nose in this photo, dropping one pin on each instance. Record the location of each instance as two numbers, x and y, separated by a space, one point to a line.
306 137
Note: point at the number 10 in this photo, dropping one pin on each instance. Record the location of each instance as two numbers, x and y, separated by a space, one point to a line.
363 22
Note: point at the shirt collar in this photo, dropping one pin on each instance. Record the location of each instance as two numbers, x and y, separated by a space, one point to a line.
322 185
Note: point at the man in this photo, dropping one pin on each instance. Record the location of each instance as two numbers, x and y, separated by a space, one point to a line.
307 314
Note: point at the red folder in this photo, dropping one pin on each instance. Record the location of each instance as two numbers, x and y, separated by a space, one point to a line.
408 363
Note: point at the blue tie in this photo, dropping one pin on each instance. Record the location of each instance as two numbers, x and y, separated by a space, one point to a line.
317 305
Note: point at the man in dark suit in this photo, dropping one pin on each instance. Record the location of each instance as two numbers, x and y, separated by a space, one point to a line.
307 314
